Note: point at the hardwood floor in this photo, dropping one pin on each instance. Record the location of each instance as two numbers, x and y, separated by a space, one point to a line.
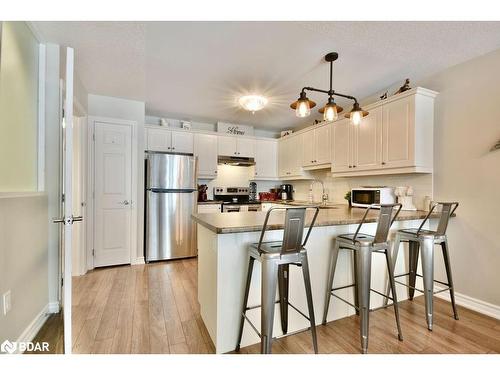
139 309
153 309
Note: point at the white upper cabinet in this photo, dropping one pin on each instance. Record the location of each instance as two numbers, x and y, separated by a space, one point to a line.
341 150
182 142
367 141
396 137
169 141
158 140
205 148
266 159
317 148
290 157
236 146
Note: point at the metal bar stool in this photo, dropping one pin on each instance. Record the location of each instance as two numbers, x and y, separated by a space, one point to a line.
363 246
275 258
425 240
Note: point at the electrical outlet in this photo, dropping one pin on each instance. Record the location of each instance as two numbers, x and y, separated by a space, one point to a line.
7 304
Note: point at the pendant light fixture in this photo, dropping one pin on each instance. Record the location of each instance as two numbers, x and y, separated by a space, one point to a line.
303 104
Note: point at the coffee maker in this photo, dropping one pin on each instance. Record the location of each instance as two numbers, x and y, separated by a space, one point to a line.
286 192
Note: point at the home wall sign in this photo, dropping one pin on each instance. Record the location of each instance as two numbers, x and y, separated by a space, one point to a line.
235 129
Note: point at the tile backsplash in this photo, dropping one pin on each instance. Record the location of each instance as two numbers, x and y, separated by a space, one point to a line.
336 187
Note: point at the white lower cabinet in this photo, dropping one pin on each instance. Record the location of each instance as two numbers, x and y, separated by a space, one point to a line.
205 148
209 208
266 160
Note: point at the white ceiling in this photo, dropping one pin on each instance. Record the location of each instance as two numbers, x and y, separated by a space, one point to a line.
197 70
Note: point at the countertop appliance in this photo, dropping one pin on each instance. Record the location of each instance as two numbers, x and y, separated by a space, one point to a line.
286 192
367 195
235 199
171 195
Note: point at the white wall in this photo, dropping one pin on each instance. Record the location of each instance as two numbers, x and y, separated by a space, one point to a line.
467 124
106 106
23 261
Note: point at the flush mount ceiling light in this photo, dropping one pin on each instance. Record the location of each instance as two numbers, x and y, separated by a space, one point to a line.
303 104
253 103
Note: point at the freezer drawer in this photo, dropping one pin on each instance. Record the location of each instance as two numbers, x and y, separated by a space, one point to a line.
170 231
170 171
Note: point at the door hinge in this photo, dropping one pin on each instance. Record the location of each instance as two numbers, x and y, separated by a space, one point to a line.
63 198
62 281
93 252
93 137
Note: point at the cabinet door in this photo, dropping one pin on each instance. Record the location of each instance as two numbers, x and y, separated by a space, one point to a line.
398 135
182 142
308 151
266 159
367 141
227 145
158 140
282 160
294 155
245 147
209 208
322 145
205 147
341 140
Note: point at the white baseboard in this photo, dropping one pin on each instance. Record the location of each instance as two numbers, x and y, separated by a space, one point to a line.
53 307
474 304
138 260
32 329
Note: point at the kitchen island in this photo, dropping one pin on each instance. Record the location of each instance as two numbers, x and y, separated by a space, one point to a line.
223 239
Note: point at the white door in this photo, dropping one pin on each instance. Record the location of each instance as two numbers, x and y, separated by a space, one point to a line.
113 193
368 141
245 147
399 133
158 140
308 153
227 146
266 165
182 142
67 202
341 140
205 148
322 144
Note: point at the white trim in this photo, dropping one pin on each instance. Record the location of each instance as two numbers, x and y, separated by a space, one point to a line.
41 117
90 187
21 194
53 307
473 304
34 326
138 260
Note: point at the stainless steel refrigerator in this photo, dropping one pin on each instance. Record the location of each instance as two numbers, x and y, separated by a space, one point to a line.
171 197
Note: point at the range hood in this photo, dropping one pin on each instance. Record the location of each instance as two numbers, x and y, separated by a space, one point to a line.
236 161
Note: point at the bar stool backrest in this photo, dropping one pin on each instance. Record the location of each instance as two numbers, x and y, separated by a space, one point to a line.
447 209
385 220
293 227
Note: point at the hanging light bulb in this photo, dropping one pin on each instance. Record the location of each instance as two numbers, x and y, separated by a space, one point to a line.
356 114
330 110
302 105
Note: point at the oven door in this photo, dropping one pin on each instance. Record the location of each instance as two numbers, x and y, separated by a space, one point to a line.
364 198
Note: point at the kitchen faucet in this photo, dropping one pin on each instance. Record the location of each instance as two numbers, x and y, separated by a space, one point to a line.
324 196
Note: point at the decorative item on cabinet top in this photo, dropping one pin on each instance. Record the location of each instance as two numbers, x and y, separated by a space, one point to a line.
234 129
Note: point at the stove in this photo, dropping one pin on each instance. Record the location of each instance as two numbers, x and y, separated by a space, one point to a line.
235 199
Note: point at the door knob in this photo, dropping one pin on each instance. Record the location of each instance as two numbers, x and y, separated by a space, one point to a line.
125 202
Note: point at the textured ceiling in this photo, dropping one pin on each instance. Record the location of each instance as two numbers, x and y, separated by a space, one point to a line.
197 70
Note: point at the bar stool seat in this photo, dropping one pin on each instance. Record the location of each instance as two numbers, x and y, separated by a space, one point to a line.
359 239
275 258
415 232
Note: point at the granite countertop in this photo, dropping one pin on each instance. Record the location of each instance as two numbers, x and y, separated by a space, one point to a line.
335 214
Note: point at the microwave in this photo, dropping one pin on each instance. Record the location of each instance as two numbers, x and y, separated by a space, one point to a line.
366 196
